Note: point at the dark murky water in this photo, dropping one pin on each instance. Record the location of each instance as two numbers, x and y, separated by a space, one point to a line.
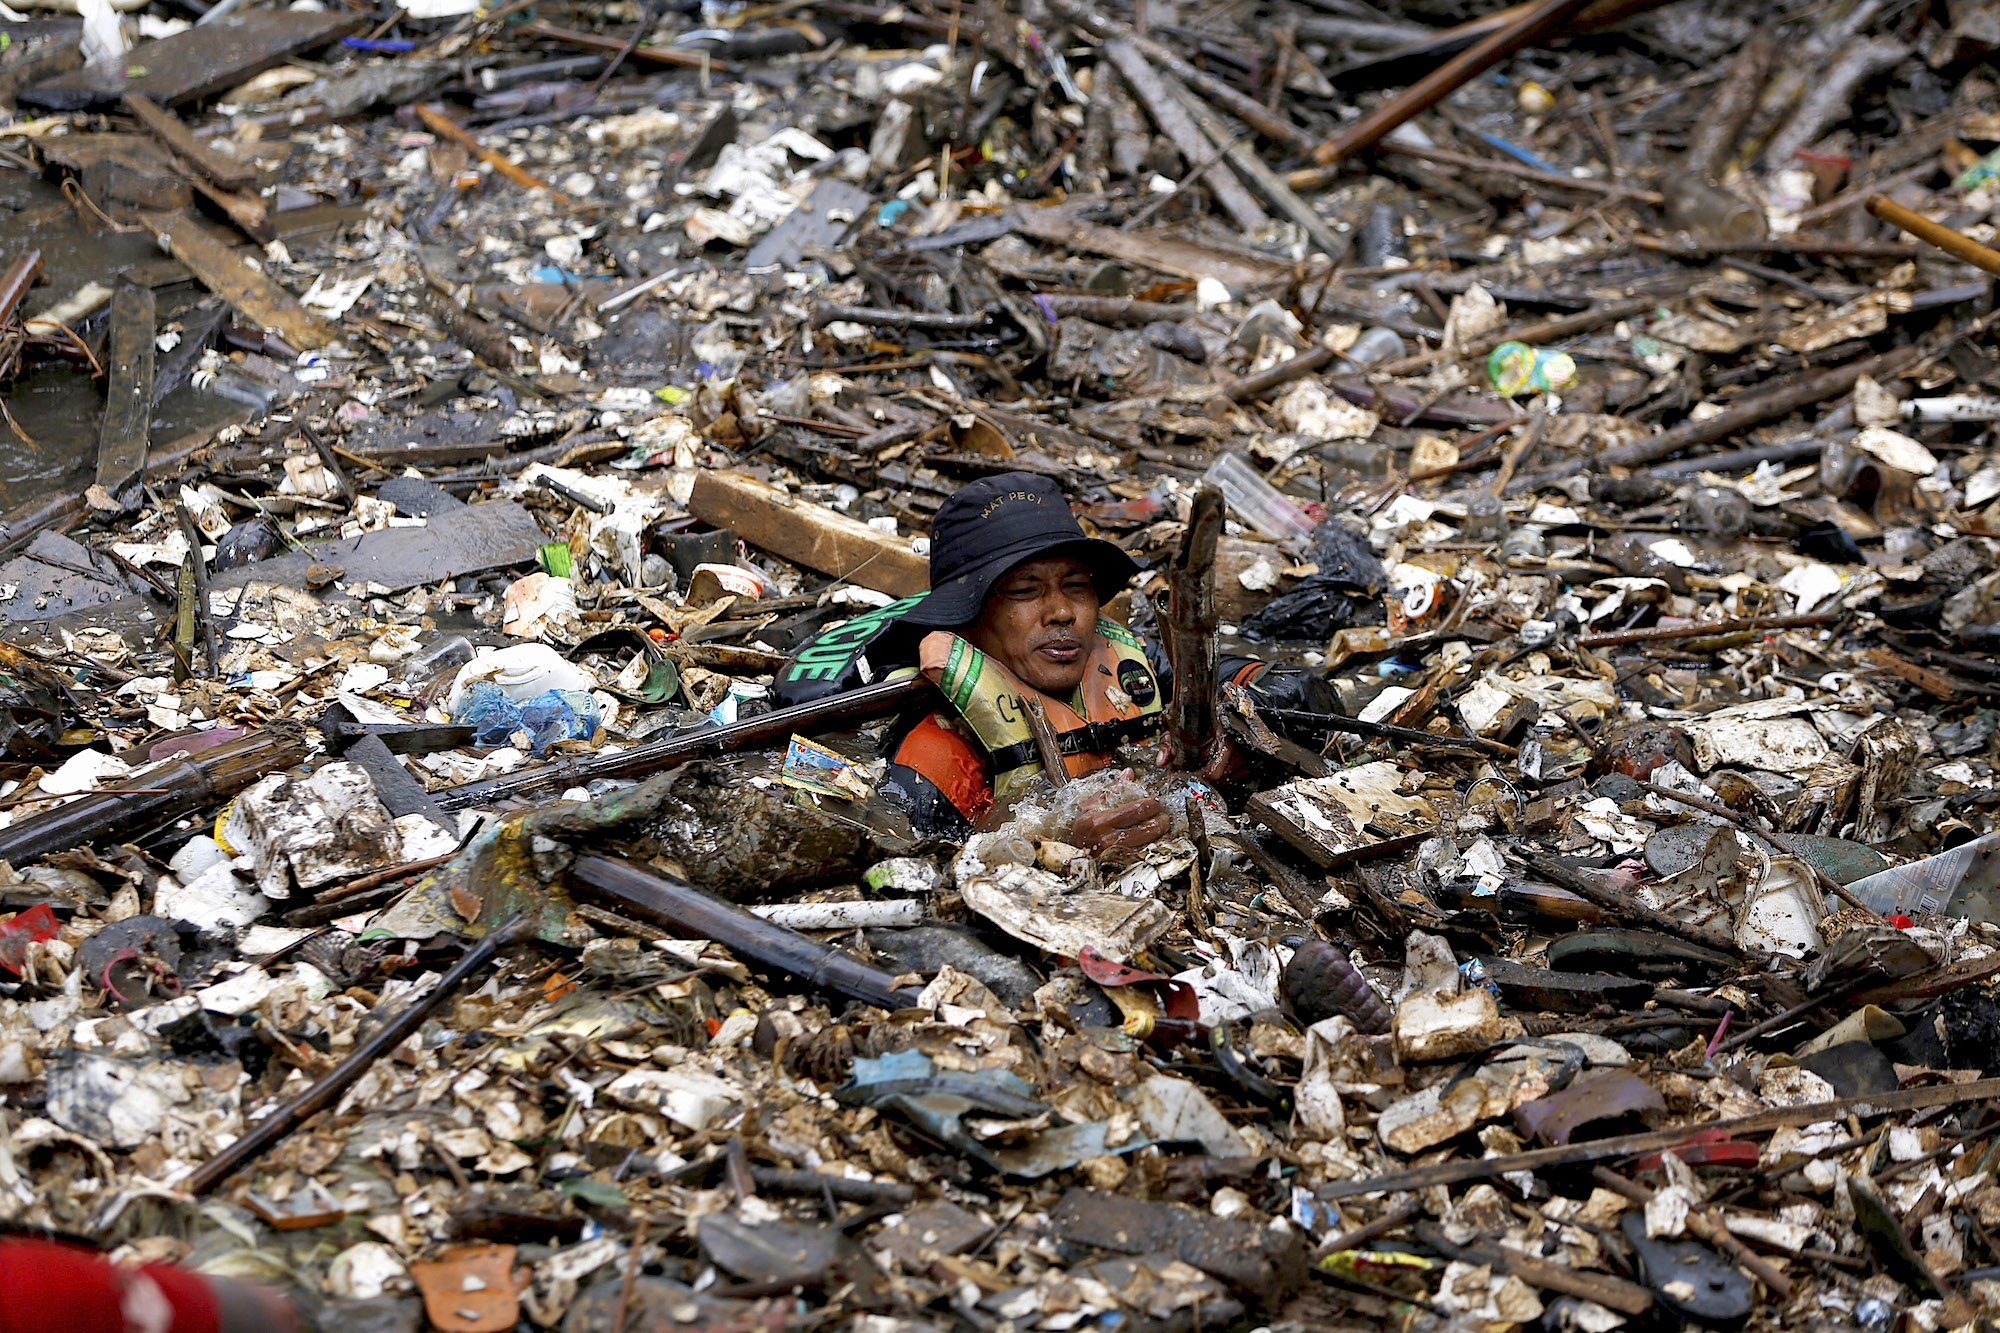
56 404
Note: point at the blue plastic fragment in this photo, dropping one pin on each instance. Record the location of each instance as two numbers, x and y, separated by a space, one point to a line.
1520 154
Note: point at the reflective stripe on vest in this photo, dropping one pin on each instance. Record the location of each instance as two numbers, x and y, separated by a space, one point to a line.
1118 702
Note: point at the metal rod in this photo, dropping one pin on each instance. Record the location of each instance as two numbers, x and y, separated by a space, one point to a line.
663 900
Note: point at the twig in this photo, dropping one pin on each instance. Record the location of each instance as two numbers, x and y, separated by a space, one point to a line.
265 1133
1781 841
631 1278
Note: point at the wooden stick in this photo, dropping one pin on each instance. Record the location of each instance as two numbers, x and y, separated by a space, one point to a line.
1245 108
15 282
1264 180
1630 909
1313 178
656 55
1786 396
1721 122
1175 122
1611 1292
1777 245
441 124
1708 1226
1781 841
207 778
870 701
1541 331
1954 243
1702 629
1446 79
199 568
1297 367
265 1133
1601 1150
1190 627
1047 747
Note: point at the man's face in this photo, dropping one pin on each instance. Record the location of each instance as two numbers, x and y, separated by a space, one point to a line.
1037 622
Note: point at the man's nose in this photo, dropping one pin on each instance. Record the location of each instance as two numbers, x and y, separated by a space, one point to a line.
1058 611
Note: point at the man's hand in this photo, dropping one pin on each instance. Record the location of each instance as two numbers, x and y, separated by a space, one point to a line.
1134 824
1225 762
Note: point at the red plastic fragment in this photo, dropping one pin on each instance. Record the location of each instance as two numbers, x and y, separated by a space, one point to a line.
24 928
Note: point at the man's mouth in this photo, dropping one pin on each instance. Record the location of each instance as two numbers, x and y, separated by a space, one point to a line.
1060 650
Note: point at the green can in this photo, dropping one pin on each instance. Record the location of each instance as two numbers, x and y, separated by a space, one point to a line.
1517 368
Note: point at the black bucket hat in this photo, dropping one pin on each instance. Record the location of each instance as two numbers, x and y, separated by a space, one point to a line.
994 524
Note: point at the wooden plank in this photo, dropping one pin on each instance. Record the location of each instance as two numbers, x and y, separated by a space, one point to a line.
218 267
123 436
809 534
200 62
165 126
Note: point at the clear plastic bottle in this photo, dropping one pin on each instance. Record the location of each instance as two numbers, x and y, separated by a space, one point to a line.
431 671
1700 206
1485 519
1375 345
1721 510
1525 543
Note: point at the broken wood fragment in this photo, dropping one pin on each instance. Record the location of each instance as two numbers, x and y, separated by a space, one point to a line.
125 432
218 267
809 534
168 128
1189 627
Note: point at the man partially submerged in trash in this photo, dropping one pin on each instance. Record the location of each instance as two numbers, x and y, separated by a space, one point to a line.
1013 613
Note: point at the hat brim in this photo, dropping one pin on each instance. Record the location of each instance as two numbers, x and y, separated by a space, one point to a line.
958 601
